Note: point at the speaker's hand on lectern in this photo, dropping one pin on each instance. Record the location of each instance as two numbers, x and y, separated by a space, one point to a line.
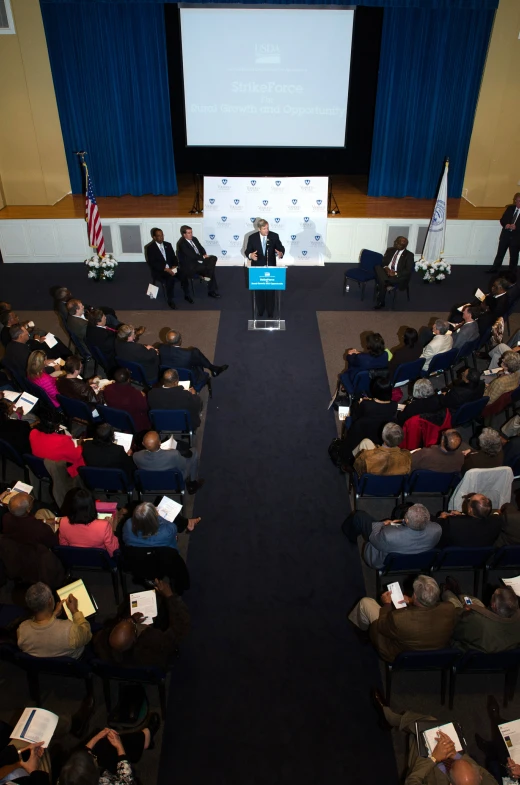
253 256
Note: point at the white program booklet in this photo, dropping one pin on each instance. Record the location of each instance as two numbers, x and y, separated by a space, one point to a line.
144 602
430 736
152 291
461 307
11 395
343 412
35 725
50 340
511 734
185 385
123 439
169 444
27 401
168 509
514 583
479 294
397 595
22 487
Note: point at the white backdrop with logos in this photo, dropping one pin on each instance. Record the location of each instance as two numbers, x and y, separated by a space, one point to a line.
295 208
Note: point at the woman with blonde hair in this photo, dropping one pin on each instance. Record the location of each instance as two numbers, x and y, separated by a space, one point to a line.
37 375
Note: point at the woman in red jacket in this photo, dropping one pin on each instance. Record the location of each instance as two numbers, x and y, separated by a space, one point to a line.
46 442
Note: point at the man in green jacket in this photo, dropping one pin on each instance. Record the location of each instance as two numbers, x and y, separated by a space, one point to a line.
492 629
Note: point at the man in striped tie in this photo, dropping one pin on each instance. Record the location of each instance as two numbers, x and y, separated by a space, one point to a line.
396 269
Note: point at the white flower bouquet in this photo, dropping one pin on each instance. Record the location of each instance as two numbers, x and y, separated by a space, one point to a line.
101 268
433 272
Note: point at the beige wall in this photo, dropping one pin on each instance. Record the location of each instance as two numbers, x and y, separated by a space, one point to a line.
33 168
493 166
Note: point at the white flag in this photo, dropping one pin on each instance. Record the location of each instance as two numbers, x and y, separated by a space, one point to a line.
434 245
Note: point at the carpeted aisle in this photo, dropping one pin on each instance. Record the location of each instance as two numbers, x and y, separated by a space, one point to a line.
272 687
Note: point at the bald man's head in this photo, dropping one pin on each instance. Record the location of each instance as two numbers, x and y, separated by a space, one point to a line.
170 378
173 338
20 504
152 441
123 636
465 772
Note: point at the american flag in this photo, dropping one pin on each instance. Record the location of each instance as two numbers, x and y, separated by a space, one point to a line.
94 228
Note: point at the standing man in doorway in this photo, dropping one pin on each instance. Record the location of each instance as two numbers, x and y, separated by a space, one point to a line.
396 269
164 265
264 249
509 236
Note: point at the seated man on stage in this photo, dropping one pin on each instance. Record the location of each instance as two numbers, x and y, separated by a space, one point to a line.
195 261
162 260
396 269
263 249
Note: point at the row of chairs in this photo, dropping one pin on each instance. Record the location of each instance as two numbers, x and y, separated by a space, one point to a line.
420 481
365 272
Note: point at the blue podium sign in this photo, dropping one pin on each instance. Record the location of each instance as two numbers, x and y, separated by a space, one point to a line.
270 278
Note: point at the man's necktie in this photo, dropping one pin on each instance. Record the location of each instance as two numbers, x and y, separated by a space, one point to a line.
263 244
393 263
515 216
193 245
163 251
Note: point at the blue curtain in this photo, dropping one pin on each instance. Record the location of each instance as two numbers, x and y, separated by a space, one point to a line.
429 78
110 75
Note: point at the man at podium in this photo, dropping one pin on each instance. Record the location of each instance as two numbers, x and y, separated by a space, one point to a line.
264 249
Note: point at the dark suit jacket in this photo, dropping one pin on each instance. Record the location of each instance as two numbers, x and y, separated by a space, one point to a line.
78 326
16 432
154 257
78 389
177 357
129 399
16 356
405 354
464 531
467 333
28 529
136 353
404 265
419 406
176 398
254 243
507 218
105 340
189 259
412 629
462 393
107 456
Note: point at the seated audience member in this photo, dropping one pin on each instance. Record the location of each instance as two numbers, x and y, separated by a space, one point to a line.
375 356
448 456
492 629
468 330
425 623
410 351
475 527
441 342
76 319
172 354
152 458
36 365
121 395
72 386
424 401
103 453
20 525
369 415
17 352
170 395
445 765
490 454
510 534
47 442
395 270
414 534
387 459
103 337
47 636
470 387
501 348
497 301
62 295
129 642
507 380
81 527
127 349
8 319
146 528
12 428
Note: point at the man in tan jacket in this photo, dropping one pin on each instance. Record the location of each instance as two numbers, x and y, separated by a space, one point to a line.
388 459
44 635
424 624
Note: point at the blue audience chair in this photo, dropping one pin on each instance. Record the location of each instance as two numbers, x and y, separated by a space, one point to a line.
34 667
90 559
8 453
441 363
464 559
469 413
37 467
176 421
107 480
79 411
440 660
505 662
118 419
407 372
109 671
406 564
364 272
377 485
428 483
165 483
136 371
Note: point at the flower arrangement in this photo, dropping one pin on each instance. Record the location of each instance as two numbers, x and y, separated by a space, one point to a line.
433 272
101 268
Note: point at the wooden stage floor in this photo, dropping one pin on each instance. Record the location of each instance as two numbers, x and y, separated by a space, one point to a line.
349 192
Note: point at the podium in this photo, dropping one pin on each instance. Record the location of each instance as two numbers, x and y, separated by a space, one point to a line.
267 279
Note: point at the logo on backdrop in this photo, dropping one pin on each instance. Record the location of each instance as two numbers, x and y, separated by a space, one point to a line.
317 240
294 206
306 219
212 201
223 252
223 218
267 53
236 242
439 215
252 220
224 185
253 186
236 206
212 237
306 187
307 182
224 181
277 220
212 240
293 237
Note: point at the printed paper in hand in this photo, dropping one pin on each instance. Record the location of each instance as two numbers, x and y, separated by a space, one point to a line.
124 439
27 401
514 583
430 736
397 595
144 602
79 591
185 385
401 407
343 412
168 509
169 444
22 487
479 294
152 291
511 734
461 307
50 340
11 395
35 725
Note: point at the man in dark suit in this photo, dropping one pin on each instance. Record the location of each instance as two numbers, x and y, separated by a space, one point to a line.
475 527
470 387
103 453
509 236
195 261
170 395
264 249
98 334
17 352
396 269
173 355
164 265
128 349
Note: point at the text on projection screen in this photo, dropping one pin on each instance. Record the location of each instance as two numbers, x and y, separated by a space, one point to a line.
266 78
